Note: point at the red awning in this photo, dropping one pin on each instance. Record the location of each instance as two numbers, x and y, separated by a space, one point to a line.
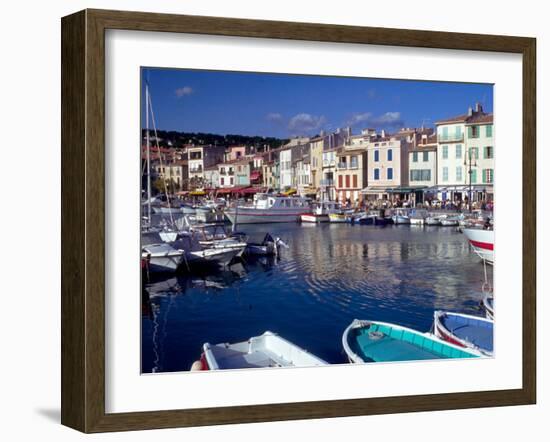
224 191
251 190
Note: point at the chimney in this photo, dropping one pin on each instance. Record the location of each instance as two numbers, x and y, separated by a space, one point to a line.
382 133
470 111
479 108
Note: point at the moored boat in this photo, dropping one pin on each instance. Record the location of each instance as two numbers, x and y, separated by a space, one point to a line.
467 331
268 247
433 221
266 350
374 341
449 221
337 217
161 258
482 242
401 216
320 212
269 209
488 306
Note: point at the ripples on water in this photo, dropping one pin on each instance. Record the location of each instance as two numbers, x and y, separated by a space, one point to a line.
329 275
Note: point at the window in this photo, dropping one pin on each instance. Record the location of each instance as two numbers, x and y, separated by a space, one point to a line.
474 153
347 182
489 130
426 175
487 175
488 152
445 152
458 133
459 173
354 181
473 131
376 155
390 173
425 156
473 175
376 174
222 181
354 163
231 181
445 174
458 151
340 181
390 154
445 133
415 157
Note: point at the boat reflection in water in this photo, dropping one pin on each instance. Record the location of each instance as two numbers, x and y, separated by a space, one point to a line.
329 275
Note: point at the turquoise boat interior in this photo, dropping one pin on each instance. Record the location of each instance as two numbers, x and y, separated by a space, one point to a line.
382 343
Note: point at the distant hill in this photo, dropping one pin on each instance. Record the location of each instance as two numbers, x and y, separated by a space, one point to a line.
172 138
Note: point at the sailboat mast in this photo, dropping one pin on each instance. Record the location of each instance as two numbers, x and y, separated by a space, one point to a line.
148 154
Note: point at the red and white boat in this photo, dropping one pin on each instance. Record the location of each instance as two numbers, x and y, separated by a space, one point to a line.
321 211
482 242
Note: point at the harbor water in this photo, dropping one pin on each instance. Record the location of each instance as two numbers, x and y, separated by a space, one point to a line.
329 275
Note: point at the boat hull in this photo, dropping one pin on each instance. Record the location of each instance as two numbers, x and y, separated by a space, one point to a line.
337 218
482 242
266 350
263 216
466 331
374 341
312 218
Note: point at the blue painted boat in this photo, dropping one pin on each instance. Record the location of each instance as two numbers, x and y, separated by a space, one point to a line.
467 331
374 341
488 305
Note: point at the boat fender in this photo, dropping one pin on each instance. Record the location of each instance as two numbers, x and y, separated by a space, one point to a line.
376 335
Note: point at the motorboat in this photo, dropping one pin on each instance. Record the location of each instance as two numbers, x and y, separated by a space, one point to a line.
482 242
449 221
161 258
268 208
401 216
320 212
374 341
268 247
266 350
432 221
467 331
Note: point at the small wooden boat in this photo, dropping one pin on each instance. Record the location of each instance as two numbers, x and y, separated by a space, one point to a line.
373 341
488 305
467 331
401 216
266 350
320 212
268 247
337 217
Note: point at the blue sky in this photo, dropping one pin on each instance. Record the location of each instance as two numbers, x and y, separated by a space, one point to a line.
281 105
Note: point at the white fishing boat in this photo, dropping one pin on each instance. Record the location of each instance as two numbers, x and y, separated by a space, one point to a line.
401 216
320 212
482 242
433 221
161 258
266 350
449 221
197 253
268 208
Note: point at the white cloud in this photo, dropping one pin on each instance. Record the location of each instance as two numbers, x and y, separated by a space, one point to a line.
388 119
274 117
183 91
303 123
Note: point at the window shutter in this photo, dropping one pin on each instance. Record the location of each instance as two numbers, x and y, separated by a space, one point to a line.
469 131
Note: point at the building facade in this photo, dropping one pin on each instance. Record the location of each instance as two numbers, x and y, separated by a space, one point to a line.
462 144
351 174
423 168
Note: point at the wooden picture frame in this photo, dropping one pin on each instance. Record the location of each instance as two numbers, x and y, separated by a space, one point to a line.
83 219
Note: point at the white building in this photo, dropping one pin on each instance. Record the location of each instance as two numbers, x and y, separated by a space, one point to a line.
285 169
423 167
388 168
459 153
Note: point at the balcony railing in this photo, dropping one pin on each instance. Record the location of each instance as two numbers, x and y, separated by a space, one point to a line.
342 165
353 165
196 170
452 138
327 183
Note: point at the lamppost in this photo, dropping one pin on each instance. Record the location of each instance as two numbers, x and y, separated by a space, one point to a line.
470 171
